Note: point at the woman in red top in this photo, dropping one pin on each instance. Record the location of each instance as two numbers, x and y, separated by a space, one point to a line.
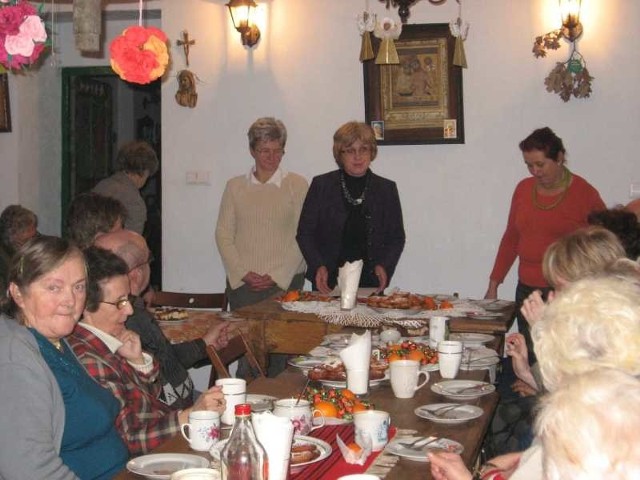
546 206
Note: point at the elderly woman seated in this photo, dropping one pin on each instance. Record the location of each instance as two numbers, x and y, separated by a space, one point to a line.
56 423
113 356
592 324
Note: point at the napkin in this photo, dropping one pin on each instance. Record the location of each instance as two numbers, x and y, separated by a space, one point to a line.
348 281
275 434
357 354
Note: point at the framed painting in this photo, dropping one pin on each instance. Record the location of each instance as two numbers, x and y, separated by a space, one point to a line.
5 112
418 101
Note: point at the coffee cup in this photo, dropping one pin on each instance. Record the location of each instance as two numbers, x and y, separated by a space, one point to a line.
438 330
449 358
235 393
404 377
373 424
300 414
204 429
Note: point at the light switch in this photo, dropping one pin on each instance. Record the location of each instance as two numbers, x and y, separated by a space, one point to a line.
634 190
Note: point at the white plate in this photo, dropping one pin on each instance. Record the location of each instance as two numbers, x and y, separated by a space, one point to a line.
260 403
460 414
471 339
160 466
168 323
420 455
324 447
448 388
430 367
306 362
481 364
343 383
337 339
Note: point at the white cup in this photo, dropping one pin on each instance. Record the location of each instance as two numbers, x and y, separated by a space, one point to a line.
204 429
235 393
375 425
196 474
358 381
438 330
299 413
449 358
404 377
275 434
390 336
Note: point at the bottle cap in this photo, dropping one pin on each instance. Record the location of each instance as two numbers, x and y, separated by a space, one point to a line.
243 409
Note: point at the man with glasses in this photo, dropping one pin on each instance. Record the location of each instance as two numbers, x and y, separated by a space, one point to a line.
174 359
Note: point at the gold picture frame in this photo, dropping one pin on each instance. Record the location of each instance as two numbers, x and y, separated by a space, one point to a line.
419 100
5 112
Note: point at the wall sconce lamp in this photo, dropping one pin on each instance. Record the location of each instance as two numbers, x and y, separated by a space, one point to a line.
242 12
570 15
570 78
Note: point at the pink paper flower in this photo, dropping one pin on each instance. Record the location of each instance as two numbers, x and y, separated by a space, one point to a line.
20 44
33 27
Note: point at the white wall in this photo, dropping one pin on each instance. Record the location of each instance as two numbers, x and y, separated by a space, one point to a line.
305 70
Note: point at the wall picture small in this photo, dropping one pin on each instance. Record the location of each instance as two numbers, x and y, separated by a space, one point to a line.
5 112
378 129
450 130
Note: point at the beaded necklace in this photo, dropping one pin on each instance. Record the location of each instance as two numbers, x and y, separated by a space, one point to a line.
347 196
564 183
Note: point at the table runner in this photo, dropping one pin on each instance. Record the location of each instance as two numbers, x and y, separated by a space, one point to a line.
335 466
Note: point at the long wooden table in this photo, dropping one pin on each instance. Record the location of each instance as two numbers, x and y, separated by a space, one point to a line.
469 434
276 330
272 329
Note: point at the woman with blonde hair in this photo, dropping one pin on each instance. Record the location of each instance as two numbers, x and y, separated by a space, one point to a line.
351 214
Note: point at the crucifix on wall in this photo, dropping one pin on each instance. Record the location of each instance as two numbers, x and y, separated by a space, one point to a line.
185 43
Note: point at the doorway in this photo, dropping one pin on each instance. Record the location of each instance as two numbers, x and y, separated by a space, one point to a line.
100 112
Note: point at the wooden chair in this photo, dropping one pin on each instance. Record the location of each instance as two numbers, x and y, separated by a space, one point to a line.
235 349
190 300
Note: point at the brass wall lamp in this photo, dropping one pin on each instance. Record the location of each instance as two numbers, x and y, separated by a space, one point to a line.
242 14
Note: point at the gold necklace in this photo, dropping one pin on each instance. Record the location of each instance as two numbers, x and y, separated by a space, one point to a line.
564 182
57 344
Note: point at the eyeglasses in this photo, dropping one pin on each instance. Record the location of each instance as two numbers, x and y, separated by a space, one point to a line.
359 151
120 304
265 152
148 261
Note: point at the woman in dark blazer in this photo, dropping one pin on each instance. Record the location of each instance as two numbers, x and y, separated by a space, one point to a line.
351 214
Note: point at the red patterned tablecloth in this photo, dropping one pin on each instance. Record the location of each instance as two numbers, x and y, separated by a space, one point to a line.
335 466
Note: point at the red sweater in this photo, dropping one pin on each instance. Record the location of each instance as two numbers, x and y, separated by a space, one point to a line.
531 230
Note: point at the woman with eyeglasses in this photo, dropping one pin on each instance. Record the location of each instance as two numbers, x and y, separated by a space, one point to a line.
113 356
351 214
256 230
57 422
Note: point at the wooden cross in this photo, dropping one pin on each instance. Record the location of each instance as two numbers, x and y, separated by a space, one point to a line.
185 43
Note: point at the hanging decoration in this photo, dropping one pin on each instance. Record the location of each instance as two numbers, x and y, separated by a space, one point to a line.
571 77
459 29
23 36
140 54
366 25
388 30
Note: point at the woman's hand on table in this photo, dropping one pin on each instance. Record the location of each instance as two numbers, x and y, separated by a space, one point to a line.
217 335
448 466
492 291
381 274
507 463
322 280
212 399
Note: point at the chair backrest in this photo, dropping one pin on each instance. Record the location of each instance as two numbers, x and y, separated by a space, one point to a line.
237 348
190 300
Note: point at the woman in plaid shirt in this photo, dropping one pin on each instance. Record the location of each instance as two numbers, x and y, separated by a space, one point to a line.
114 357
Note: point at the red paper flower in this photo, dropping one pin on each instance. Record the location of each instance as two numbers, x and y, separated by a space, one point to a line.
139 54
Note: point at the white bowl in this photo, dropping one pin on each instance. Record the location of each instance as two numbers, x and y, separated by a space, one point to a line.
196 474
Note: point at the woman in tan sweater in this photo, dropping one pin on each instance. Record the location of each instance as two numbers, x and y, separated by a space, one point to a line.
259 212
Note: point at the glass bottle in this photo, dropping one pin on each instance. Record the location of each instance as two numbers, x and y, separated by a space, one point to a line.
243 458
